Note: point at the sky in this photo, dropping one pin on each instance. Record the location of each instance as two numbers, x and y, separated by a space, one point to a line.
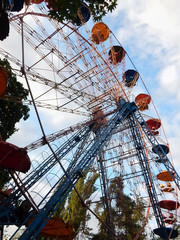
149 32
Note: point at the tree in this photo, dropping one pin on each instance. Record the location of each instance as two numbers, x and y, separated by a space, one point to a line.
74 211
11 112
127 215
67 10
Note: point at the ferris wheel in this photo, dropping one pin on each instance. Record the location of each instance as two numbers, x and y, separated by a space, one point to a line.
82 70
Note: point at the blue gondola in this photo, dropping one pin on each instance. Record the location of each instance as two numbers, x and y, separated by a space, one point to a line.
160 149
85 15
18 5
164 231
130 77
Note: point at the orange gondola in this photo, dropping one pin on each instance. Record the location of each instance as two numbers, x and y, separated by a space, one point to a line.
165 176
56 228
116 54
14 158
3 81
142 101
169 204
100 32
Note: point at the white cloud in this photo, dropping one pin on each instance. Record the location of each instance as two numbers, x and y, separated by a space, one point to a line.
168 78
151 24
28 131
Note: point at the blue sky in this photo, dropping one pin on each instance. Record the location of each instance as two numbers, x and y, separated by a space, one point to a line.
148 30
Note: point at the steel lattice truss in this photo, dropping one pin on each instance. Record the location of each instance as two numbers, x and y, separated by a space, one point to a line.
79 165
80 72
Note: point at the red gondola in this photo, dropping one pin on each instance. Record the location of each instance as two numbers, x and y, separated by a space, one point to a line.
56 228
153 123
169 204
116 54
14 158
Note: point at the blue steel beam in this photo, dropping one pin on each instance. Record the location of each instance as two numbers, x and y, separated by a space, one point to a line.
143 161
37 174
162 155
50 162
139 122
92 150
105 193
78 153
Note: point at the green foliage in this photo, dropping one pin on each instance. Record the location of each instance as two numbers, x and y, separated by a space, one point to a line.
100 236
67 10
127 215
11 112
4 177
75 212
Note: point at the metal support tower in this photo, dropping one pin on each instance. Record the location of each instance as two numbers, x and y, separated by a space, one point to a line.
8 215
137 122
87 149
157 147
105 193
68 181
144 164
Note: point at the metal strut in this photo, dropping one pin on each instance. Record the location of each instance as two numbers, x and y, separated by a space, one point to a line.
143 161
68 181
37 174
159 150
140 122
105 194
84 156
